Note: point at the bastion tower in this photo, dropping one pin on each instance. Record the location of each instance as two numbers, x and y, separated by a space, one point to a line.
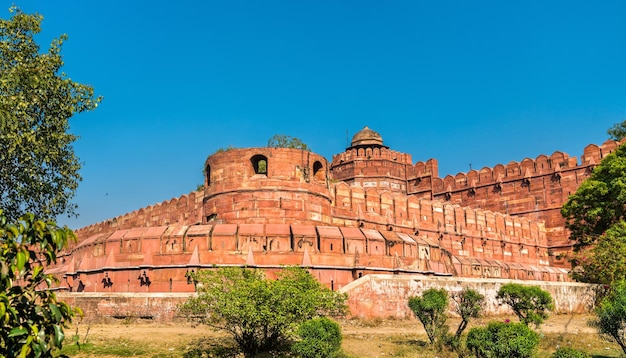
368 163
266 186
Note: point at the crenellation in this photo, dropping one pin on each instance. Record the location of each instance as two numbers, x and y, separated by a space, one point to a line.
370 210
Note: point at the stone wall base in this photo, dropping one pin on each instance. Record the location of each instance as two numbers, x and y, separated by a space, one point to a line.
386 296
372 296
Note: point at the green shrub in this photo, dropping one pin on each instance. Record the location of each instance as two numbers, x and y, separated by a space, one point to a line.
611 315
530 303
430 309
501 339
260 314
568 352
319 337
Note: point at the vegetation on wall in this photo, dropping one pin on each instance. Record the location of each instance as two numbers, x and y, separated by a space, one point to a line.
285 141
38 167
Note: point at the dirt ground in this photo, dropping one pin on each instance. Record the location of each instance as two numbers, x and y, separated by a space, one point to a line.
362 338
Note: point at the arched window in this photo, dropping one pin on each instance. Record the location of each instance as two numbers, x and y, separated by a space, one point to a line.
318 171
207 171
259 163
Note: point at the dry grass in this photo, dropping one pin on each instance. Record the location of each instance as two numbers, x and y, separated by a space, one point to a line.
362 338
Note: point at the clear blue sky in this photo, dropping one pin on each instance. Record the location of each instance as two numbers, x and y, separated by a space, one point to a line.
461 81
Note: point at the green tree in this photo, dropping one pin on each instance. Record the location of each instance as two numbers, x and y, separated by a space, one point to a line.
530 303
469 304
259 313
499 339
38 167
285 141
599 202
605 262
32 320
319 337
430 309
611 315
618 131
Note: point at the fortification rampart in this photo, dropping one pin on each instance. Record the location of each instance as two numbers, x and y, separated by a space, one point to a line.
463 231
534 188
368 212
184 210
267 185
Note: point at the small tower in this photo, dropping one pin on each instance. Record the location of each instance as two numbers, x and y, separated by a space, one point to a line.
369 163
266 186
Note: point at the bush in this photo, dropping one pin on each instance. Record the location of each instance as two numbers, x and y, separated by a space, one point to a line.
568 352
319 337
500 339
530 303
611 315
469 304
260 314
430 309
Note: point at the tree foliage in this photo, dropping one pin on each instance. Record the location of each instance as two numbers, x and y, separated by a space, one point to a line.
32 320
500 339
531 304
469 304
605 262
430 309
599 202
38 167
285 141
618 131
611 315
319 337
259 313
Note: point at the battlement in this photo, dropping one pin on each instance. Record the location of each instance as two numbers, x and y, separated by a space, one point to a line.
427 168
527 168
372 154
184 210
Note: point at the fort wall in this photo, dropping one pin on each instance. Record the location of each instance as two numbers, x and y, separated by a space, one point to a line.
386 296
372 296
534 188
370 211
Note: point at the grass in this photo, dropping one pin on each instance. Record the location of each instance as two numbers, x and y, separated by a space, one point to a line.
364 338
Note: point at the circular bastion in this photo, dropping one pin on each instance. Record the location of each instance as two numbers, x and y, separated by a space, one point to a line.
266 185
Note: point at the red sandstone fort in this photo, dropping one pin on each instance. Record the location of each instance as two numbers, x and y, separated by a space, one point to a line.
370 210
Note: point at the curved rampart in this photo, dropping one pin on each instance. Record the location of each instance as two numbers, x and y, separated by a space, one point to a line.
266 185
